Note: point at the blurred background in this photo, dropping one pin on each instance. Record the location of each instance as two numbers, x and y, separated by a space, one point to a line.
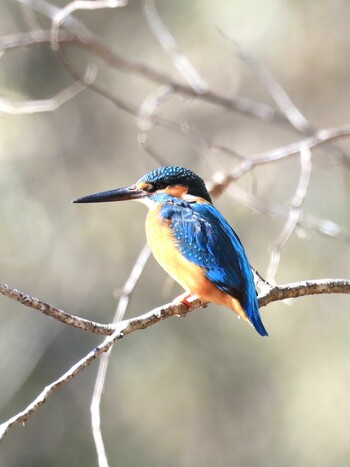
205 390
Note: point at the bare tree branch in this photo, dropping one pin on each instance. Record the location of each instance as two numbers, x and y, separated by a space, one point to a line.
279 95
151 104
47 105
88 40
281 292
75 5
322 226
54 312
76 34
168 43
293 217
284 102
223 180
125 295
303 288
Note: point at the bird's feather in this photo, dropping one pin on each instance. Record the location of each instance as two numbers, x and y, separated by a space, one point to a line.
205 238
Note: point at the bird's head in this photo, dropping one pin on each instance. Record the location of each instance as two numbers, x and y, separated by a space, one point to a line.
174 181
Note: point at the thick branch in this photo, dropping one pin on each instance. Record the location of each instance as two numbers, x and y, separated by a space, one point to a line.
270 294
126 327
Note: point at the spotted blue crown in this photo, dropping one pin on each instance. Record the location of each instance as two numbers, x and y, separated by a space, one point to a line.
166 176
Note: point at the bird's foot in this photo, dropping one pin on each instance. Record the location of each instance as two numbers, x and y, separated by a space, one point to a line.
188 300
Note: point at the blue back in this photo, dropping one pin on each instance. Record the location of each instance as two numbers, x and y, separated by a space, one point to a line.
206 239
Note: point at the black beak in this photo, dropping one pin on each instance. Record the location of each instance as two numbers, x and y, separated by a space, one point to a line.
120 194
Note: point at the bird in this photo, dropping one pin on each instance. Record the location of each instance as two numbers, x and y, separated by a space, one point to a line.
192 241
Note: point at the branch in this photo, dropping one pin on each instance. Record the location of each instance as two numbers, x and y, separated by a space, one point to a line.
74 5
293 217
125 295
168 43
223 180
89 41
53 312
122 329
47 105
281 292
322 226
303 288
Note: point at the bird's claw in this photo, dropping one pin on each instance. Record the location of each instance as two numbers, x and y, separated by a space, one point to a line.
188 300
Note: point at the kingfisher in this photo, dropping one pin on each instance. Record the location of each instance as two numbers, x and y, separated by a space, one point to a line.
192 241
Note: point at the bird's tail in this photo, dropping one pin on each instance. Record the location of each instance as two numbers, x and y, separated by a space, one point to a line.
252 317
255 320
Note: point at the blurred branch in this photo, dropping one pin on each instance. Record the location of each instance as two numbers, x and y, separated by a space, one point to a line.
47 105
88 40
150 104
83 37
92 43
284 102
75 5
125 295
293 217
279 95
168 43
321 226
281 98
32 38
222 180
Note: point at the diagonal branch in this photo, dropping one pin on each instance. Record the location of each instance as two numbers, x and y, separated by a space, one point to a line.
74 5
168 43
223 180
293 217
125 295
47 105
324 227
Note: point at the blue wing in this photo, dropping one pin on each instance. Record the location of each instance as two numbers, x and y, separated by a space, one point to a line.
206 239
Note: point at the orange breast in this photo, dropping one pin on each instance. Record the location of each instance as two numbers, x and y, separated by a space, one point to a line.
163 247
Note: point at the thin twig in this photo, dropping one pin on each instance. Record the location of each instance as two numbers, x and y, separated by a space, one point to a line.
322 226
75 5
293 217
168 43
281 98
222 180
47 105
125 296
150 104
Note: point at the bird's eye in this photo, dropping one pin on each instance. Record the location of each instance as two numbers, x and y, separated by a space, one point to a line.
149 187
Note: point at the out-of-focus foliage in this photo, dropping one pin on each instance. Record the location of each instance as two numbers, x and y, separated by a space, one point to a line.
205 390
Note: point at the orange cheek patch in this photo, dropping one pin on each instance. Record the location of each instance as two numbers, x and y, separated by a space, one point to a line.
178 191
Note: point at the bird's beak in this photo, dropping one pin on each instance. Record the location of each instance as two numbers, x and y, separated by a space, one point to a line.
119 194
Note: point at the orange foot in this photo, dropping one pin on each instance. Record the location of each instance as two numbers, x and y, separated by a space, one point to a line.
188 299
